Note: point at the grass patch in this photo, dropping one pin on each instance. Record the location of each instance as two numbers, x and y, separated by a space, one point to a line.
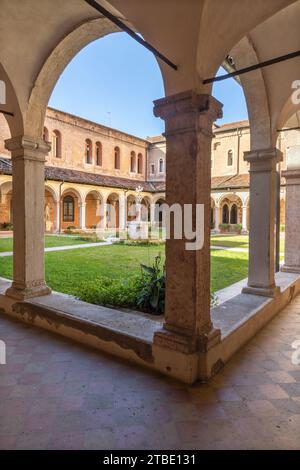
6 244
66 271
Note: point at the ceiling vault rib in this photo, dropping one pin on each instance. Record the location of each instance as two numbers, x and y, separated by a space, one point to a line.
260 65
8 113
289 129
129 31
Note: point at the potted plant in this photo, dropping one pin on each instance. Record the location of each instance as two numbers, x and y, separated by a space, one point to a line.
224 228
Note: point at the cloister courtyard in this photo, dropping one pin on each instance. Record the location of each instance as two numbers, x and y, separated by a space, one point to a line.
67 271
149 225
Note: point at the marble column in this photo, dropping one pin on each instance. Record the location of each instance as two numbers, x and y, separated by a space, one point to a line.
217 218
244 218
261 271
56 216
82 211
188 117
28 162
122 206
292 221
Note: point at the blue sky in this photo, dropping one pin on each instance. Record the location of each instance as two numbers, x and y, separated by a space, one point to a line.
114 81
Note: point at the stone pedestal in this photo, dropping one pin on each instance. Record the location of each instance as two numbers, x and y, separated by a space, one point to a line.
28 160
261 273
188 329
292 221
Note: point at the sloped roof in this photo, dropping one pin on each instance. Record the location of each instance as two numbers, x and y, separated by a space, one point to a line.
82 177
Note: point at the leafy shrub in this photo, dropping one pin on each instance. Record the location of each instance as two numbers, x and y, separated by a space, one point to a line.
92 238
69 229
152 295
142 242
224 227
111 292
6 226
144 291
236 227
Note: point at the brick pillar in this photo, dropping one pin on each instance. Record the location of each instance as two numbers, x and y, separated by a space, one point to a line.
261 272
28 161
188 328
292 221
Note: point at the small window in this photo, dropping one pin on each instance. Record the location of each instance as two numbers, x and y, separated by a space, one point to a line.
88 152
98 154
230 158
161 165
56 144
68 209
152 169
132 162
117 158
140 164
216 145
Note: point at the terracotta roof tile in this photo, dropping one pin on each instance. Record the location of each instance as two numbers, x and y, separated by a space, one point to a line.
82 177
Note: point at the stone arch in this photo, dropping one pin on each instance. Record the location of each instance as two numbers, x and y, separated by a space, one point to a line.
131 207
54 65
67 219
94 209
145 209
6 212
255 91
113 211
15 122
233 213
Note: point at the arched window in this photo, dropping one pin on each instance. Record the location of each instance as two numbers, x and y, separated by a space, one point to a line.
161 165
56 144
140 164
98 154
117 158
230 158
233 214
46 134
68 209
132 162
88 151
225 214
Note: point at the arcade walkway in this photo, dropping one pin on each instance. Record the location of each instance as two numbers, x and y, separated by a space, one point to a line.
55 394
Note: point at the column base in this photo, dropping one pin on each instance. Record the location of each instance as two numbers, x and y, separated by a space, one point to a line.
290 269
186 358
184 343
263 291
19 293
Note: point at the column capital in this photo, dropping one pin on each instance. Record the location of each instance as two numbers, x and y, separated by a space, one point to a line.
26 147
183 111
292 176
263 157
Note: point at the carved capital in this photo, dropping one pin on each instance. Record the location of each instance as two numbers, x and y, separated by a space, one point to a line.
25 147
188 111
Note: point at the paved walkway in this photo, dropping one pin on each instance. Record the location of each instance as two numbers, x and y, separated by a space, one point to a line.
63 248
55 394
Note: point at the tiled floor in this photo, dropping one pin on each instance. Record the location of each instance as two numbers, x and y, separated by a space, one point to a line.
55 394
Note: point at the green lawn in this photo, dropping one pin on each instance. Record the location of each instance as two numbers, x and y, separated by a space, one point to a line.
237 241
6 244
66 270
